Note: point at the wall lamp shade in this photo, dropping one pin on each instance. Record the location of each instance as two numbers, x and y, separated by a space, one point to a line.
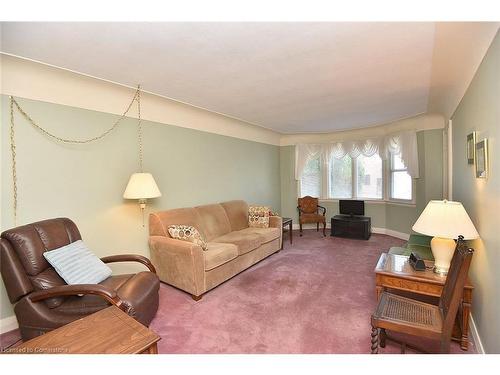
445 221
141 186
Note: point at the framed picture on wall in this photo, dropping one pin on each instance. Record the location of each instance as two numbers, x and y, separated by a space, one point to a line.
471 147
482 159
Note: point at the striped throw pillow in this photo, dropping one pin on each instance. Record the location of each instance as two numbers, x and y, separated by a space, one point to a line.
76 264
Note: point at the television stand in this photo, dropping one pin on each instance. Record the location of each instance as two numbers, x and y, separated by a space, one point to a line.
351 226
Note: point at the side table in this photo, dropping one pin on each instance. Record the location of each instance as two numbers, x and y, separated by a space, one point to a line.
108 331
395 272
287 222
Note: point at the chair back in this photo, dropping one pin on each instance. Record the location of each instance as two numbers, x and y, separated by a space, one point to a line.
23 266
308 204
454 285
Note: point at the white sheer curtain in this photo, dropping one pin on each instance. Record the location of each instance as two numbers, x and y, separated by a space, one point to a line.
403 143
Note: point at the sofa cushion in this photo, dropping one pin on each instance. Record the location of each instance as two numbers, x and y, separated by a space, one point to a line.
218 254
159 221
244 240
237 213
214 220
187 233
266 234
258 217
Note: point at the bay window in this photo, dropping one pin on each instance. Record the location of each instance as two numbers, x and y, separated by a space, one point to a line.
401 182
362 177
340 178
310 183
369 175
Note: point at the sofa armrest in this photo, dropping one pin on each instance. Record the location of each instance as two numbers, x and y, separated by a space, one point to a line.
275 221
179 263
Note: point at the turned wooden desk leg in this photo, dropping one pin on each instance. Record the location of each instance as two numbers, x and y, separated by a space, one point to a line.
290 230
379 289
466 304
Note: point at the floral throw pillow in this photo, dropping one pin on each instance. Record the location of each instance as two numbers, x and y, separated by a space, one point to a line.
187 233
258 217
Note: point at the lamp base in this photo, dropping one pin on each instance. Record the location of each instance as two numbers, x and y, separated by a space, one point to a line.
442 250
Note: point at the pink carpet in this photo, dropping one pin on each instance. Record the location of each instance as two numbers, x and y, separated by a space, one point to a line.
313 297
316 296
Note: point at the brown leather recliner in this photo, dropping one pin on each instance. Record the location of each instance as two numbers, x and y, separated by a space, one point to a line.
43 301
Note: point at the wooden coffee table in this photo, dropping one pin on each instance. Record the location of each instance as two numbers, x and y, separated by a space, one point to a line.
108 331
395 272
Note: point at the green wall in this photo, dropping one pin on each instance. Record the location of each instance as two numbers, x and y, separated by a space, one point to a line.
479 111
86 182
396 217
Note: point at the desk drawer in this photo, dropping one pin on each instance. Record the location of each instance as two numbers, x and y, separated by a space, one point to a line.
412 286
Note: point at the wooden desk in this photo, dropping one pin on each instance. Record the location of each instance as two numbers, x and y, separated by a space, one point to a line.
287 222
108 331
394 272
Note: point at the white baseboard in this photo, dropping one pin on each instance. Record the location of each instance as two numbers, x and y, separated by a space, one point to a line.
392 233
308 226
389 232
8 324
475 336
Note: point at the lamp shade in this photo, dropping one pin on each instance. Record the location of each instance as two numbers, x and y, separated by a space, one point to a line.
445 219
141 186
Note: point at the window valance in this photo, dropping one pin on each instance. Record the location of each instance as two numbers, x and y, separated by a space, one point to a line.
402 143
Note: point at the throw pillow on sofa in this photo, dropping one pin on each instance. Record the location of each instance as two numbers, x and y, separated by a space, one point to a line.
273 213
187 233
258 217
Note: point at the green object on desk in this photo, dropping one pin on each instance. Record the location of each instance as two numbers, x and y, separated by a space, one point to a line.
418 244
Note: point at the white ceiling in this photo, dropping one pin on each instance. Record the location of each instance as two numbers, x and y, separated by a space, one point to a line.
289 77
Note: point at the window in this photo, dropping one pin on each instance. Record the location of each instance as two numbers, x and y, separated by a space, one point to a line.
369 174
310 183
341 178
359 178
401 181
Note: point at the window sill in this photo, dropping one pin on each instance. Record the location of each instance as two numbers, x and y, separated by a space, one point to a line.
376 201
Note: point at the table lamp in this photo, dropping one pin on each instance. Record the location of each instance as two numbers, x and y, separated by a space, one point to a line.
445 221
142 186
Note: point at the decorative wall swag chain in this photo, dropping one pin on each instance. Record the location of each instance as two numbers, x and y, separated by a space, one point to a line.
13 102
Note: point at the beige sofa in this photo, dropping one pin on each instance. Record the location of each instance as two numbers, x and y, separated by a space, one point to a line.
232 245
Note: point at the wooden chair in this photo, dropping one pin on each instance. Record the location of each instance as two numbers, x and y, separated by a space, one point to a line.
309 212
409 316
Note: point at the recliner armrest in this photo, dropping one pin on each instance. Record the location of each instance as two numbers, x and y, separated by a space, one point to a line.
130 258
71 290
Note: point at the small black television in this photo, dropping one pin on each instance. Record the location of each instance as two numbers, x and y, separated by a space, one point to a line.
352 207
